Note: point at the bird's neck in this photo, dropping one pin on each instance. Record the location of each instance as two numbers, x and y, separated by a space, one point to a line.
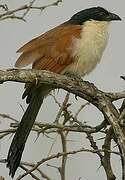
94 26
88 49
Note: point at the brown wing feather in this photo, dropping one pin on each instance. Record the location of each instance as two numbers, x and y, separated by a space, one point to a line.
50 35
27 58
54 46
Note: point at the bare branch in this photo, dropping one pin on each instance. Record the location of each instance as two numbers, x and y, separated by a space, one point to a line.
57 127
6 116
32 175
62 169
85 90
106 161
25 9
59 155
62 108
32 165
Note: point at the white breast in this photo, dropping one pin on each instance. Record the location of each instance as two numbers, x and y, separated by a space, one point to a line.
87 51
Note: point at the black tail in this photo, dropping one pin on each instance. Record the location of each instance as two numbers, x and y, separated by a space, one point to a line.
22 133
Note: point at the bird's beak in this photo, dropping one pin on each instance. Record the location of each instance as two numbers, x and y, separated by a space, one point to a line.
113 17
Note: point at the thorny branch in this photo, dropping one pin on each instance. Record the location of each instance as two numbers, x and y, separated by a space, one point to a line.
25 9
42 174
106 160
57 156
66 122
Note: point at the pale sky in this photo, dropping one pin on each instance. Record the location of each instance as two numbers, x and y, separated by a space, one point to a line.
13 34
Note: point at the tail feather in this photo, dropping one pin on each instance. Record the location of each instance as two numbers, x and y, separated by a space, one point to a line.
22 133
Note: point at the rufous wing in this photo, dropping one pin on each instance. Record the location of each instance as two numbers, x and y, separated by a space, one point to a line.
51 51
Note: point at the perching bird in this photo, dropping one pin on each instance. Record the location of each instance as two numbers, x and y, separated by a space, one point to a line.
75 47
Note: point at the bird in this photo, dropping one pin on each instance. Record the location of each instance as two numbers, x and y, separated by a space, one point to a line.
74 47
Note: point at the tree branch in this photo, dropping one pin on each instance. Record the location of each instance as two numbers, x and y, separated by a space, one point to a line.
85 90
106 160
60 155
12 14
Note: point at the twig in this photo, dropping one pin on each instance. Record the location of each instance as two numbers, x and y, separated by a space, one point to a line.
32 165
62 154
28 8
106 161
80 109
64 157
62 107
6 116
10 14
94 145
73 128
33 176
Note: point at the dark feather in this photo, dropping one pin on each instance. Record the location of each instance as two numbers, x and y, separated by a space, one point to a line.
21 135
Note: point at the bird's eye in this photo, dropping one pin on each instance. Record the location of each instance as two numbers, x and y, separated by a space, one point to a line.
104 13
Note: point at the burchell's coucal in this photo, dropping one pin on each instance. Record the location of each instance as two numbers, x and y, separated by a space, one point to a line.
75 47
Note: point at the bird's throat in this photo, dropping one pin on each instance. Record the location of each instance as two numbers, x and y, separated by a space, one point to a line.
87 51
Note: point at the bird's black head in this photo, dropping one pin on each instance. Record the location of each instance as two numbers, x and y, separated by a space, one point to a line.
94 13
